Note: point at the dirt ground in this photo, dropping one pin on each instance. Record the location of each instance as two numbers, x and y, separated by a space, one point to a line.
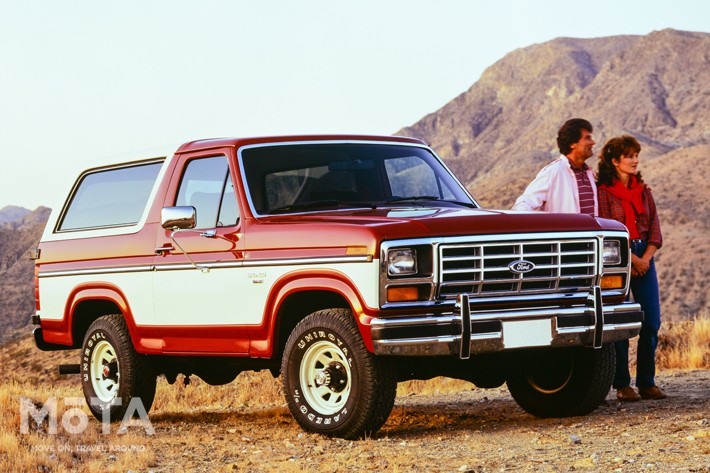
472 431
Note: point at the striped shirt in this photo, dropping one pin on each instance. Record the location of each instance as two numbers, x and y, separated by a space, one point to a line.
586 194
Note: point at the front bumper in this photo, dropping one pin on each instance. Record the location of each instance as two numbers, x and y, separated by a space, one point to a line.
591 324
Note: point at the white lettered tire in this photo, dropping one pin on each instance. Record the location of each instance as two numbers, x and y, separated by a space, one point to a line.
112 373
332 384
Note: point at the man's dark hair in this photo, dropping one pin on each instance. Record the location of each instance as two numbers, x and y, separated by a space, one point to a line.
571 132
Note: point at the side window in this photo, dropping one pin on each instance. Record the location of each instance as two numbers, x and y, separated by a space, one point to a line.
207 185
110 197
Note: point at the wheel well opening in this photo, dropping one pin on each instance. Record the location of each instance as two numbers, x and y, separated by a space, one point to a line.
86 312
297 307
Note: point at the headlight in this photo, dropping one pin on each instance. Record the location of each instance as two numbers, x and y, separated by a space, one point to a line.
612 252
401 262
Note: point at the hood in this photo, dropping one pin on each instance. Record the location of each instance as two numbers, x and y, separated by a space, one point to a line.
412 222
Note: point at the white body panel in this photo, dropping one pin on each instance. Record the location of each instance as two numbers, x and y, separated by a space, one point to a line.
189 296
238 295
55 290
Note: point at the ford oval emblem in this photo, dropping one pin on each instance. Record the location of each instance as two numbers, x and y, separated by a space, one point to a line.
521 266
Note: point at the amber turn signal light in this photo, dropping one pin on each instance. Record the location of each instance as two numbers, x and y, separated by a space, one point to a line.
402 294
612 281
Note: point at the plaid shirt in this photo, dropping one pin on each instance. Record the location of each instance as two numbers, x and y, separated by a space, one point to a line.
647 223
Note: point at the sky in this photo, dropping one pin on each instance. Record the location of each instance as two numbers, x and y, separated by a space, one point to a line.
82 81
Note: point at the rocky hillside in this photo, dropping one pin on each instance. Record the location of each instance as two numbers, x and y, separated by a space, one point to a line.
18 236
12 214
501 131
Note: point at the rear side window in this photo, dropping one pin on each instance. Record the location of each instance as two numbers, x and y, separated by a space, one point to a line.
111 197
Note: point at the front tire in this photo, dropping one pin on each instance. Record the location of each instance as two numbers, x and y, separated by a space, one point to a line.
112 373
562 382
333 385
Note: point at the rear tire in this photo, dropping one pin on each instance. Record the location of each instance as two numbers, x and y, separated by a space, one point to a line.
333 385
112 371
562 382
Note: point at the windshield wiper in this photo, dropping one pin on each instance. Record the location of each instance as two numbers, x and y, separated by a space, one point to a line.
458 202
361 203
415 198
318 204
411 198
313 204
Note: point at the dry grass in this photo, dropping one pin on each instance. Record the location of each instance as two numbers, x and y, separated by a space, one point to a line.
44 450
685 344
251 398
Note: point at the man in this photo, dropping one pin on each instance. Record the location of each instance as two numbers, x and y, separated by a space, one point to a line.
567 184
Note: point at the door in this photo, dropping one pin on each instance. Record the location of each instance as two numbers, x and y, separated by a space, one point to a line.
197 302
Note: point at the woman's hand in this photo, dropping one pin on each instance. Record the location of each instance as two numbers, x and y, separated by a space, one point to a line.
639 266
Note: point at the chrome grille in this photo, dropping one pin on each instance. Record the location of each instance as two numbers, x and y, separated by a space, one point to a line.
483 268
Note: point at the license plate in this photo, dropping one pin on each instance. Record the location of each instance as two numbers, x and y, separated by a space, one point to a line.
527 333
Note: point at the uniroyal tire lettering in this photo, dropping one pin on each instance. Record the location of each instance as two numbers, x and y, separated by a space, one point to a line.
324 369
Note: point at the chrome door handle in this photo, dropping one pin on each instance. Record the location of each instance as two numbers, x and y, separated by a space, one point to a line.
164 249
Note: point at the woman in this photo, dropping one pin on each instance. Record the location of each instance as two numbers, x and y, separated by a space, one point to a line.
623 196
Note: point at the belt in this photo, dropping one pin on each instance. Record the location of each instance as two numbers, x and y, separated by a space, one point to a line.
638 241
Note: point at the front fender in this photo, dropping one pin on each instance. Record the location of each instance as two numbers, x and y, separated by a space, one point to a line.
264 335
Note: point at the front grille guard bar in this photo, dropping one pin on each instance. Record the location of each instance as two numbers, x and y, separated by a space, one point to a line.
463 309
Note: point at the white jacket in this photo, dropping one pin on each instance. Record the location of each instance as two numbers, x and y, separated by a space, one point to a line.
554 189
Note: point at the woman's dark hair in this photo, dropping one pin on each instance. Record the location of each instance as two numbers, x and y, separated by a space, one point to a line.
614 149
571 132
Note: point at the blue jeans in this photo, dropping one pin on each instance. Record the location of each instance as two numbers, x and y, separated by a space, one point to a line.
645 292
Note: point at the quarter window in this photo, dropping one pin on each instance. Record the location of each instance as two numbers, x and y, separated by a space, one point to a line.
110 197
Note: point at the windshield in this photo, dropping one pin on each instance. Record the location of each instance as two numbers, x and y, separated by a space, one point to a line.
305 177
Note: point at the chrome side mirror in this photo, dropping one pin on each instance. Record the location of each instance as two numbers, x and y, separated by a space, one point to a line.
178 218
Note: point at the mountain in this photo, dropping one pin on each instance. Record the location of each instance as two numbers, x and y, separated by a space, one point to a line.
11 214
17 238
499 133
502 130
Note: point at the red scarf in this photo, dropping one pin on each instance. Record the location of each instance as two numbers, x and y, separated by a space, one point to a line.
631 201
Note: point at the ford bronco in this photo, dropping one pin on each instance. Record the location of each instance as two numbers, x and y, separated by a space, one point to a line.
342 264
